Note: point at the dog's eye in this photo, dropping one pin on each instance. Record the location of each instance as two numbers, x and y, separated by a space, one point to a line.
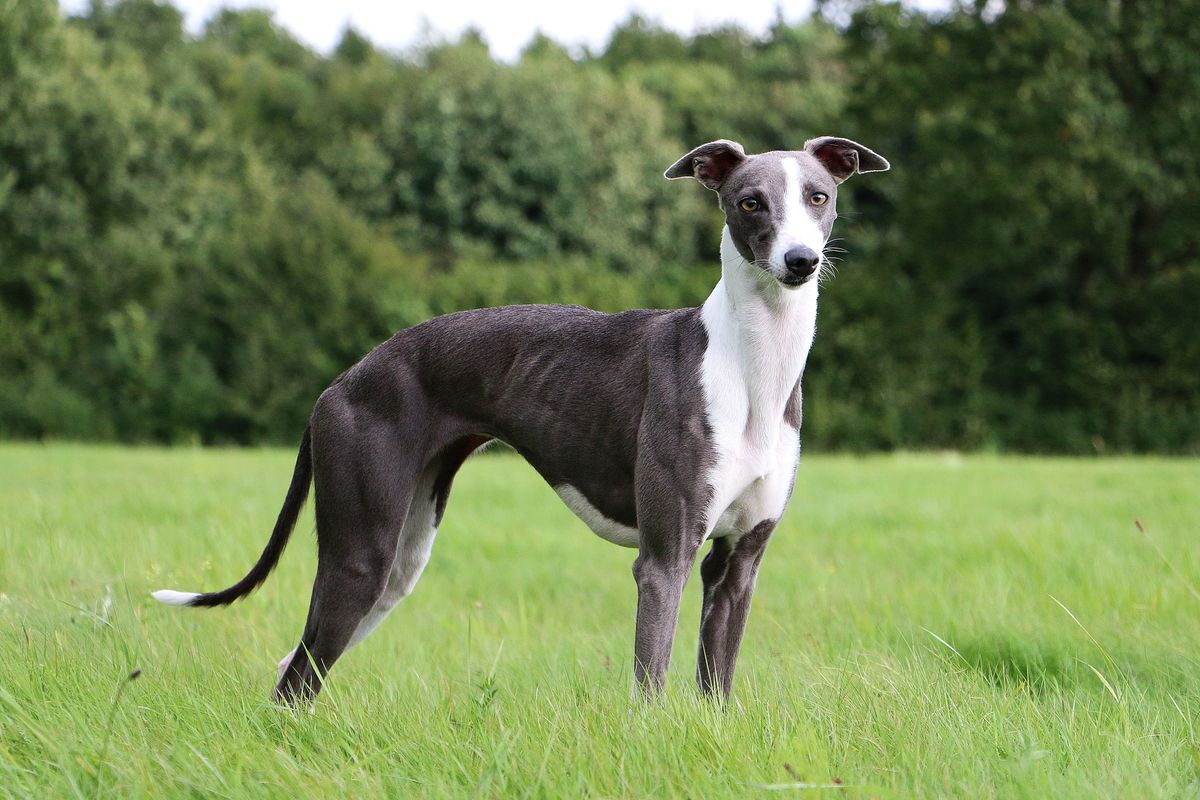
748 204
818 198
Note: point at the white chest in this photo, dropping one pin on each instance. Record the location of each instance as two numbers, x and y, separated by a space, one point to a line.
755 454
756 354
751 482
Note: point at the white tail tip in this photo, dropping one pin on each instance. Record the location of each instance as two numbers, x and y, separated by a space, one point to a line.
173 598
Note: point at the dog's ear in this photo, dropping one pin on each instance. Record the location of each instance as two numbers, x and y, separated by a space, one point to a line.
843 157
709 163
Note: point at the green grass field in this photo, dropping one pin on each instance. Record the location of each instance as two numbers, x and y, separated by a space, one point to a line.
924 626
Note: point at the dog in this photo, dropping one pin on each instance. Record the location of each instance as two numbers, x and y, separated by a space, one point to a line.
660 429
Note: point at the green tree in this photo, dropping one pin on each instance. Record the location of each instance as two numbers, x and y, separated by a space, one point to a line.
197 234
531 161
1037 224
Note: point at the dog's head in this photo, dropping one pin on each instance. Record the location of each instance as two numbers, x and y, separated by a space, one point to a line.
779 206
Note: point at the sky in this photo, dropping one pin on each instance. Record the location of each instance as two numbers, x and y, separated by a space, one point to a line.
506 26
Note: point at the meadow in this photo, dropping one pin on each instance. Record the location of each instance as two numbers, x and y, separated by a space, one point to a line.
926 625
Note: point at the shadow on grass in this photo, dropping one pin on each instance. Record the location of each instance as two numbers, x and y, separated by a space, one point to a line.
1010 662
1042 666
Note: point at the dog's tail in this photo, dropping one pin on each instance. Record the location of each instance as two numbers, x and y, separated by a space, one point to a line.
296 495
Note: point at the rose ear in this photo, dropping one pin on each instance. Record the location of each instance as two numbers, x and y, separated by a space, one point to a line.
709 163
843 157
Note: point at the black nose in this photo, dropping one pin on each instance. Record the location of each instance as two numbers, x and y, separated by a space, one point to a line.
801 262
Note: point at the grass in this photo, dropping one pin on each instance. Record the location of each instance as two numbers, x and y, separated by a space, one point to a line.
924 626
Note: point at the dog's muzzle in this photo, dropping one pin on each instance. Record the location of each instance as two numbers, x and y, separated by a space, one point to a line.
800 264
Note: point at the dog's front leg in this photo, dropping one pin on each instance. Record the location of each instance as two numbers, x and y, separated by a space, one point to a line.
729 572
670 532
672 496
660 572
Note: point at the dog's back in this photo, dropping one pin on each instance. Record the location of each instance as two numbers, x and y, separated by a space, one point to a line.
534 376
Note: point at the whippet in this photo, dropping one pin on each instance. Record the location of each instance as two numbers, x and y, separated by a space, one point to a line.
660 429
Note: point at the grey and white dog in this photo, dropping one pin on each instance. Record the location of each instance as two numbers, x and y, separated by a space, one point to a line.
660 429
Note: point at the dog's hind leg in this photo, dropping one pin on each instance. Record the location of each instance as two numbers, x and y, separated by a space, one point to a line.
420 530
365 480
411 553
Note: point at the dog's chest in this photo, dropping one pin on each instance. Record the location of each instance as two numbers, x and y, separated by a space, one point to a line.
750 376
755 452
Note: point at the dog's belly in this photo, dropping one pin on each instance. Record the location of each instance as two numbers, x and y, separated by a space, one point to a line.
602 526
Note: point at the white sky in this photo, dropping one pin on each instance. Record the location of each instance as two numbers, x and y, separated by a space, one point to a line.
507 26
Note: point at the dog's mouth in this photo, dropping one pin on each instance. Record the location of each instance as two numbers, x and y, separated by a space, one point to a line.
793 281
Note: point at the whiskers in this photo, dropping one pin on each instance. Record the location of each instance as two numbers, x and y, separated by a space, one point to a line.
766 272
828 266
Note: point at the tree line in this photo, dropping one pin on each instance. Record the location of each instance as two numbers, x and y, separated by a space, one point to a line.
199 232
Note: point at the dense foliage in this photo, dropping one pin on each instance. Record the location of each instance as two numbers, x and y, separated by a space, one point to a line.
198 233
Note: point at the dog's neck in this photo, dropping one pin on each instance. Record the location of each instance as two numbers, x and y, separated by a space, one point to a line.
763 329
